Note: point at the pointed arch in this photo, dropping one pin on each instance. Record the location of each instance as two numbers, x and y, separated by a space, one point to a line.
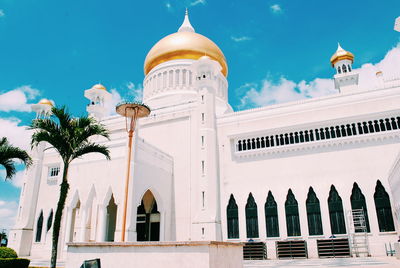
271 216
357 200
148 218
292 215
313 213
111 220
336 215
75 220
90 222
74 199
251 217
39 227
49 221
108 196
232 216
383 208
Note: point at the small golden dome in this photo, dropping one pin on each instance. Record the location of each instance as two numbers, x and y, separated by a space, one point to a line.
185 44
46 101
99 86
341 54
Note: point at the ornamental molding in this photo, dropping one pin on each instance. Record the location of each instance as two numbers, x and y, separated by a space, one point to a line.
344 143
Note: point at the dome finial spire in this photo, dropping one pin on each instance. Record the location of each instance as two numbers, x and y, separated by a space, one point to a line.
186 26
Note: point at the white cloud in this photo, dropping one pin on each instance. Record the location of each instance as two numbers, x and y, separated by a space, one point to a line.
8 212
2 14
17 180
268 92
198 2
240 38
17 99
135 91
276 9
16 134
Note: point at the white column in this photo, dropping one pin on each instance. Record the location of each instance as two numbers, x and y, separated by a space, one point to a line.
69 225
162 226
101 230
82 234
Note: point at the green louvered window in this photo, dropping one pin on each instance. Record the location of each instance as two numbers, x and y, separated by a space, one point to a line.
383 208
251 218
357 200
271 216
292 215
336 215
233 218
313 213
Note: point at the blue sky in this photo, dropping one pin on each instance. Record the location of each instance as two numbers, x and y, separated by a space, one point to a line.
277 51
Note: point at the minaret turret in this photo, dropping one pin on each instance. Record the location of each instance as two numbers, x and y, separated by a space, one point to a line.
98 96
43 108
345 79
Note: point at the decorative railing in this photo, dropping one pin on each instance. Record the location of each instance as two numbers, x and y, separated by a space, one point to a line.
317 134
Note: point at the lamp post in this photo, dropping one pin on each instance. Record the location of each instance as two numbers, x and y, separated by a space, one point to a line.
131 111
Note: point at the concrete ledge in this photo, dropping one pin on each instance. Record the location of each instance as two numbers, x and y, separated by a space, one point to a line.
193 254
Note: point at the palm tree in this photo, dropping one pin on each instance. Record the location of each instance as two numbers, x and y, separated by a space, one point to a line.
8 153
70 138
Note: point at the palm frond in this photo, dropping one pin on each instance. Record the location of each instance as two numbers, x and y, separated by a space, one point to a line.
89 147
8 153
62 116
10 168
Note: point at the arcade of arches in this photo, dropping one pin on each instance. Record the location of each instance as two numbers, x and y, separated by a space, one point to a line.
336 213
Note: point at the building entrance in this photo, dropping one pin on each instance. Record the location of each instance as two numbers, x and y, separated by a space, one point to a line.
148 219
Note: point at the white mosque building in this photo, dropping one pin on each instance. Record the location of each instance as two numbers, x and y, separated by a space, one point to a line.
306 173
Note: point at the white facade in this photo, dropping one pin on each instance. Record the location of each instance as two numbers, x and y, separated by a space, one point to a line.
193 152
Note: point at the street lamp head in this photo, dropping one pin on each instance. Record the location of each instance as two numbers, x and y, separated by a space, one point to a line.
133 109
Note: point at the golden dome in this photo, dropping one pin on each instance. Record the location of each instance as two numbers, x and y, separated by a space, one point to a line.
185 44
99 86
45 101
341 54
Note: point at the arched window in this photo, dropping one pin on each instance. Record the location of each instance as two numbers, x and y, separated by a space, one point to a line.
383 208
339 70
344 68
39 227
251 217
233 218
111 219
313 213
349 68
336 215
357 200
292 215
49 220
271 216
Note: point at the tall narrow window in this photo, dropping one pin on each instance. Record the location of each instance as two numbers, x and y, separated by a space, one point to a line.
271 216
292 215
383 208
202 167
39 227
202 199
313 213
357 200
251 217
202 140
336 215
232 218
49 220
